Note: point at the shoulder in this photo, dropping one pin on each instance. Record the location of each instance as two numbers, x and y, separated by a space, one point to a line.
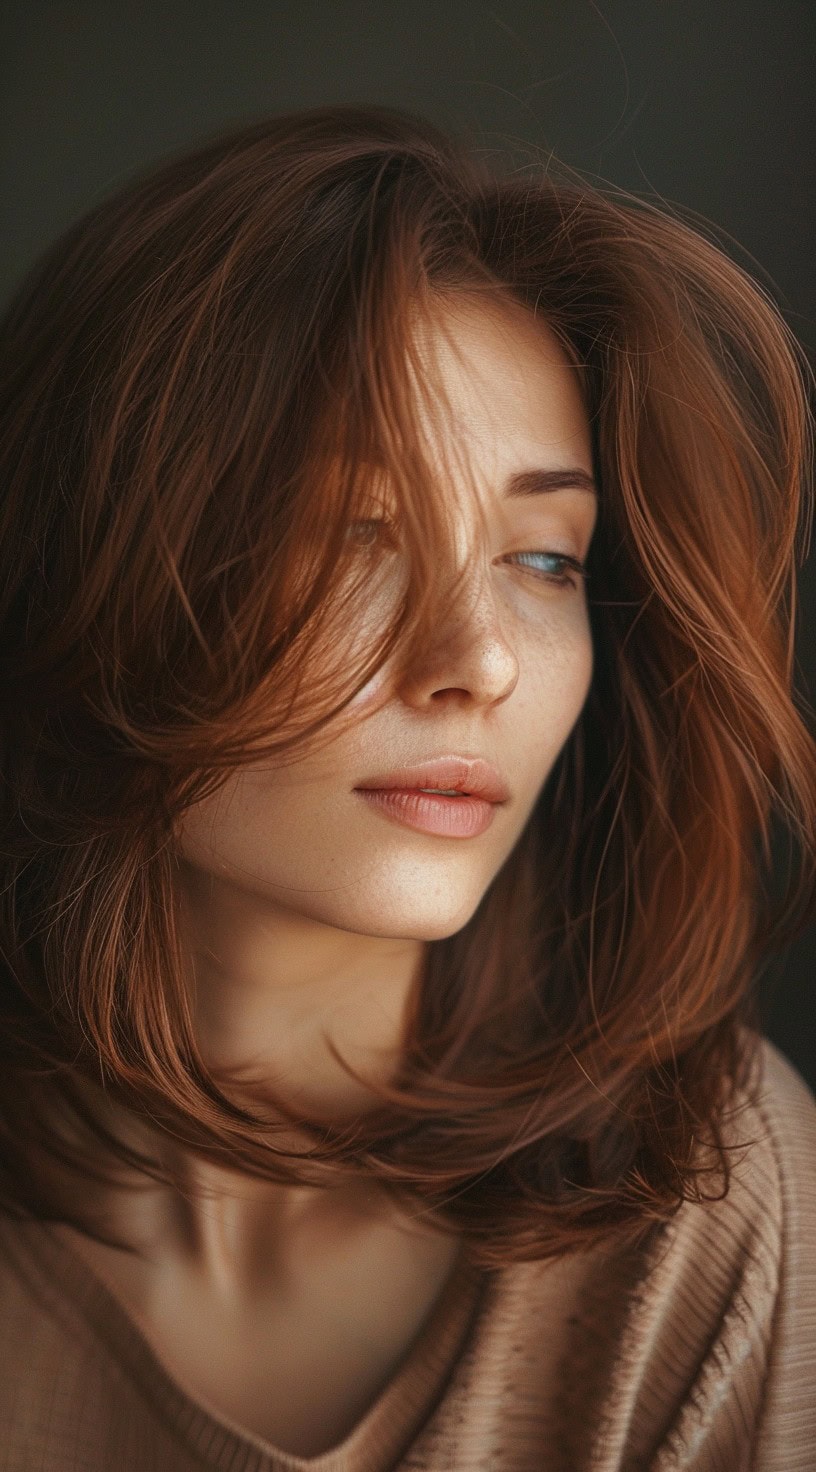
39 1290
787 1104
737 1276
774 1187
785 1107
763 1229
770 1131
779 1114
769 1210
695 1348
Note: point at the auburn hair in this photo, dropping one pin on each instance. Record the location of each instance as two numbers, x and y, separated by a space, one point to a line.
193 378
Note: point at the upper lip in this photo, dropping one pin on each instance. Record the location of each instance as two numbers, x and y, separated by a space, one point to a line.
471 774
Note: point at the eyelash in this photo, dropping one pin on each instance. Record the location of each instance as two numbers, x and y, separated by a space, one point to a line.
559 580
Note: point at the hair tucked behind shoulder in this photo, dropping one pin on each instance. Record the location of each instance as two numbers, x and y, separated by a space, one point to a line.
176 373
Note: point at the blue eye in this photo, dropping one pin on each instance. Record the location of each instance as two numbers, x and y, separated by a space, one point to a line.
561 580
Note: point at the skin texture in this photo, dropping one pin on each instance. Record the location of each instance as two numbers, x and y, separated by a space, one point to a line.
306 910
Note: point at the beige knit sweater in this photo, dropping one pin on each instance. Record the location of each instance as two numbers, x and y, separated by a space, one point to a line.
697 1350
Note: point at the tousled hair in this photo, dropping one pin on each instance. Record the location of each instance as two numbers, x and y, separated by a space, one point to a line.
191 379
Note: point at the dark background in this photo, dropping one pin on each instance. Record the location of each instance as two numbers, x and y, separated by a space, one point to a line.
705 104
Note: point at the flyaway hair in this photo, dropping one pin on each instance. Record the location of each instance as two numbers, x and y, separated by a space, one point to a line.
195 380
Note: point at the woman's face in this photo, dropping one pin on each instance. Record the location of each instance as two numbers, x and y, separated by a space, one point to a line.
505 678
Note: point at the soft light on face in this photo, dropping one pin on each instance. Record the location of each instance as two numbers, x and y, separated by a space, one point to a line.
506 678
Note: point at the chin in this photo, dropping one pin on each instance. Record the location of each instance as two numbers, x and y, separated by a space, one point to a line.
413 926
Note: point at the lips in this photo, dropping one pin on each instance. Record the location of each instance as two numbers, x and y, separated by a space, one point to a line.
472 775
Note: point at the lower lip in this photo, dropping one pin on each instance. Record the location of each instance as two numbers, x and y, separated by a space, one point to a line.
452 817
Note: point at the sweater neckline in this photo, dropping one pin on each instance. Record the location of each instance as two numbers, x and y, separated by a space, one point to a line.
377 1439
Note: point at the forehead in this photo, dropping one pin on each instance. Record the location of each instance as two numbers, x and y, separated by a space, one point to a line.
505 375
498 398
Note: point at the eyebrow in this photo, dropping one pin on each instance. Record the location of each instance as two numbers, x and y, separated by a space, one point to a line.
539 482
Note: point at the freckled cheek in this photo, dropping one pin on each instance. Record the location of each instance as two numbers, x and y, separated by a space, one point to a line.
560 671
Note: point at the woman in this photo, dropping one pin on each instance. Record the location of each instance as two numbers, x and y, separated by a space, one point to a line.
348 1124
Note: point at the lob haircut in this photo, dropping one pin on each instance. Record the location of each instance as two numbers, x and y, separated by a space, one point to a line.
193 379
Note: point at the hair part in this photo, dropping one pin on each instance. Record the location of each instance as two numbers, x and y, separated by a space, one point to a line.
193 379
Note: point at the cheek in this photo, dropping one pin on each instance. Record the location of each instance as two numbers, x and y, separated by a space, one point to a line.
211 832
373 691
256 825
563 656
559 678
193 834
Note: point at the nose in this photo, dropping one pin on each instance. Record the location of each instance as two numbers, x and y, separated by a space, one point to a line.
470 653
